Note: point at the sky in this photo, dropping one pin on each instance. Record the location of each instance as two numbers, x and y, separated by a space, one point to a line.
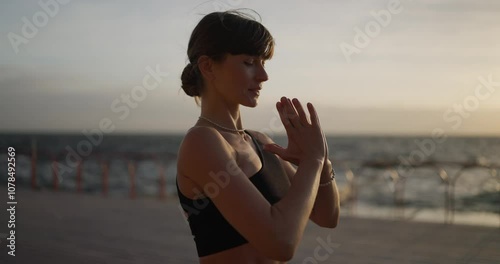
370 67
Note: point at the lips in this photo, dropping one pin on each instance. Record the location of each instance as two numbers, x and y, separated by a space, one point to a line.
255 91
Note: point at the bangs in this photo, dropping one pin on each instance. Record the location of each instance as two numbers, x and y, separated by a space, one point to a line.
243 35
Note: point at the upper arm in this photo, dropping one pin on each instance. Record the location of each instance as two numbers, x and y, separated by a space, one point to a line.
287 166
205 157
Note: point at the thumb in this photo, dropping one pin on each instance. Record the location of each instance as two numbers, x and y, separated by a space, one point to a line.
274 148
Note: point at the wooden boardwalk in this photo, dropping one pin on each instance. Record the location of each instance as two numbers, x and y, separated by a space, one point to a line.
58 227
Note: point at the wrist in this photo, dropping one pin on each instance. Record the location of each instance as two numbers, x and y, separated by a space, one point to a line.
327 168
313 162
327 175
327 162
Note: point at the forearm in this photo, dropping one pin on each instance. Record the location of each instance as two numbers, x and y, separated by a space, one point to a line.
291 213
326 208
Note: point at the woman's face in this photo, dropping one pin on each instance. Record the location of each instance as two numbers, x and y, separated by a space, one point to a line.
239 79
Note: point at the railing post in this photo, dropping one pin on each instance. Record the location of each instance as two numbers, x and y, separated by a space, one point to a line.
79 176
104 166
55 176
131 171
33 163
162 181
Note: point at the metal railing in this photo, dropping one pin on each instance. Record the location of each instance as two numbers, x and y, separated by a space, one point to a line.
397 179
103 159
353 170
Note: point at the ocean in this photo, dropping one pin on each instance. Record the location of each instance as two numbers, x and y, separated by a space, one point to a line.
370 171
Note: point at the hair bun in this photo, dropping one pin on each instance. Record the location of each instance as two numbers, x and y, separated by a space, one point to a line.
189 80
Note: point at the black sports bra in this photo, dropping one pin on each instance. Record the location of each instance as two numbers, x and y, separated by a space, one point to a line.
212 232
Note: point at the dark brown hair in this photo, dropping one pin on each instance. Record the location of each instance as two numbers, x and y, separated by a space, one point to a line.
221 33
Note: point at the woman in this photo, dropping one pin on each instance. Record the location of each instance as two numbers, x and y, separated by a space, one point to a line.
244 200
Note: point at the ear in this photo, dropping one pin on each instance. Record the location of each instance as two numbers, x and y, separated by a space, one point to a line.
206 67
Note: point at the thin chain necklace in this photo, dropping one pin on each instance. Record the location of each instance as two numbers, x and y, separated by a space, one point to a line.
242 131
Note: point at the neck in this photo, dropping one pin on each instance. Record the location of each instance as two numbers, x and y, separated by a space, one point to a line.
221 112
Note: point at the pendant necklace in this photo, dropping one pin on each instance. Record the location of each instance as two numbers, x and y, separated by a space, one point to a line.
242 131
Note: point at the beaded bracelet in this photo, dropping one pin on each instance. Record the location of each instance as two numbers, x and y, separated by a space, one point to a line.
331 179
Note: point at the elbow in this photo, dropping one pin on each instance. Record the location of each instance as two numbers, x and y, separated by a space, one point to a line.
335 221
332 222
278 251
285 252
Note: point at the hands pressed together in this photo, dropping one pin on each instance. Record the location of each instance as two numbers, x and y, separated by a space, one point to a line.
306 139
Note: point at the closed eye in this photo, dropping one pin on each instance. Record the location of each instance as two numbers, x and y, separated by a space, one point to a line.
250 63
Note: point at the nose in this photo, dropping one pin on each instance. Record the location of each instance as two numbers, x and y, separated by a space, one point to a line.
262 74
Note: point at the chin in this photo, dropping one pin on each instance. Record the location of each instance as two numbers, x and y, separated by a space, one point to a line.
251 104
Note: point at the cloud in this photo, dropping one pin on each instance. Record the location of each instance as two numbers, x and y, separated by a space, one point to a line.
428 57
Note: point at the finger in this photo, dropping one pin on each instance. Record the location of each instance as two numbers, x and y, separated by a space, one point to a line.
314 115
300 110
284 119
292 114
275 149
324 142
327 152
326 145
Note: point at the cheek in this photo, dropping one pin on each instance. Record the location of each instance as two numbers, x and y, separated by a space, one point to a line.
242 75
236 79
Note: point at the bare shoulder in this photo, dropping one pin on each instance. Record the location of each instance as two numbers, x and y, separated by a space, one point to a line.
198 142
202 133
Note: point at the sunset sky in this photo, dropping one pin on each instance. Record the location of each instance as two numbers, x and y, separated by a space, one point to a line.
430 65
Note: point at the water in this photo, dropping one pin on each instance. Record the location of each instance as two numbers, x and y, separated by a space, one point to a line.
477 189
